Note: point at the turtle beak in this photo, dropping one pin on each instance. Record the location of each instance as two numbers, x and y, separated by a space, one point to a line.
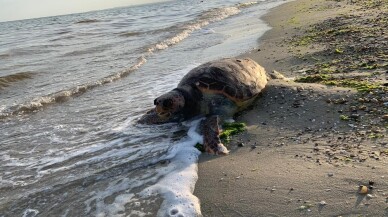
159 111
164 115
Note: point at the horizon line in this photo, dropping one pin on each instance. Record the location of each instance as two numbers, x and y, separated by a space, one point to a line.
66 14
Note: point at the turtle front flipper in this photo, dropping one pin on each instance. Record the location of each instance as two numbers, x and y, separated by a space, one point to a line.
211 136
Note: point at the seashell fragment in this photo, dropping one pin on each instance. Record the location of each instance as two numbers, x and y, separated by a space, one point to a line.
363 189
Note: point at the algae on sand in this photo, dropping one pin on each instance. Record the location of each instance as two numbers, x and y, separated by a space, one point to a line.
230 129
356 83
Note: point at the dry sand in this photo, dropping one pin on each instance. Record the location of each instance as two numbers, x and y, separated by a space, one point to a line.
298 157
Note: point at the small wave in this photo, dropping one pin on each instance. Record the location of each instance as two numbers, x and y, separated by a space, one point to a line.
64 95
204 19
87 21
246 4
14 52
89 50
6 81
129 34
63 32
67 37
5 55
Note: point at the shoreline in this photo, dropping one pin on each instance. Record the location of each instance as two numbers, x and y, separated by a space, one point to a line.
299 156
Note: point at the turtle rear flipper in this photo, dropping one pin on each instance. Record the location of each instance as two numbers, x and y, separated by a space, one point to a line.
211 136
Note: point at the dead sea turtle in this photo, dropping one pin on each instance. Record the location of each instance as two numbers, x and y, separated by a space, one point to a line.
217 90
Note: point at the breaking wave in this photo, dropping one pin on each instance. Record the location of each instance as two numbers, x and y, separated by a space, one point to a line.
204 19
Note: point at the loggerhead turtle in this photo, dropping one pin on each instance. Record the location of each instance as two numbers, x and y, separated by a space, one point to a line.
217 90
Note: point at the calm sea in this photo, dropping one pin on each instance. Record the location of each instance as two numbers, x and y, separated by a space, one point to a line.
72 87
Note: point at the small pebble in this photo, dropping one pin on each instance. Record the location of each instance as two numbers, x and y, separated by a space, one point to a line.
330 174
299 89
322 203
369 196
355 116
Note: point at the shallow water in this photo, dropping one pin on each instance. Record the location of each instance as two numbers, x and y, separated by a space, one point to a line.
71 88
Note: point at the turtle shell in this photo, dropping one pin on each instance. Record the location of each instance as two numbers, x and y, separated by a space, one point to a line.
238 79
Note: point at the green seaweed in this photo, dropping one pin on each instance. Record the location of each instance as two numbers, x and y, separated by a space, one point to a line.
293 20
361 86
314 78
368 4
347 159
339 51
375 136
305 40
366 66
344 118
229 129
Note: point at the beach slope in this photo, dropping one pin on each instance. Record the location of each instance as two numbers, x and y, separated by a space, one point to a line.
316 144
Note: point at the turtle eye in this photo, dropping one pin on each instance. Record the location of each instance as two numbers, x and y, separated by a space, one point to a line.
167 103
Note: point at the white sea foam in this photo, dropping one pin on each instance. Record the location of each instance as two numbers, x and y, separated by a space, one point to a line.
30 213
177 186
174 183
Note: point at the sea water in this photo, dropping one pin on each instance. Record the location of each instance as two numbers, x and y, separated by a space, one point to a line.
72 88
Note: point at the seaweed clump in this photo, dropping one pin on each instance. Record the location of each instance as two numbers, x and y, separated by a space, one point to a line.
228 130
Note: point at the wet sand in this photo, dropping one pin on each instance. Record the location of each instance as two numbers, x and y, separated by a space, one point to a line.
308 147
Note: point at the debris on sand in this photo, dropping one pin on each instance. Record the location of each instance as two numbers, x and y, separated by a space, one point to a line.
363 189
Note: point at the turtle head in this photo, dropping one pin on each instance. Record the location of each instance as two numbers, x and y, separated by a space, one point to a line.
168 104
167 108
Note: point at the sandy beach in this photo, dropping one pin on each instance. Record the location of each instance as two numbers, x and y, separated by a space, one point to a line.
316 144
